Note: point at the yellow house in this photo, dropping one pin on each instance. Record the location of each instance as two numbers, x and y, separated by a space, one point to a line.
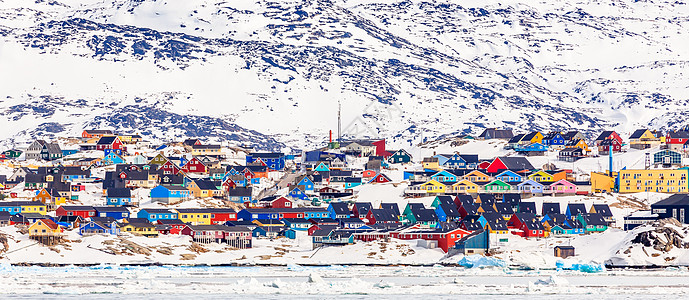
659 181
477 176
50 197
465 186
431 163
601 182
203 188
643 139
44 227
143 228
433 186
33 207
579 144
495 231
201 150
541 176
158 160
532 138
194 216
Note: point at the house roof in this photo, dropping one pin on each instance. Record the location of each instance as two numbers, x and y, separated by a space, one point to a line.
637 133
496 221
530 135
516 163
576 208
390 206
450 209
496 133
106 140
549 208
680 134
604 135
674 200
111 209
384 215
77 208
594 219
425 215
570 134
516 138
527 207
603 209
119 193
340 208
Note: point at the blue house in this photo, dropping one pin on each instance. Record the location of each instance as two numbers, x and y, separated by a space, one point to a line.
554 139
351 182
462 161
13 207
574 209
117 213
298 194
95 227
444 176
509 177
306 182
118 197
112 158
69 152
338 210
322 167
274 161
169 194
531 149
318 213
297 224
155 214
530 186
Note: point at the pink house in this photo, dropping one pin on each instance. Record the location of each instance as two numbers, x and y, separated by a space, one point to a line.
563 187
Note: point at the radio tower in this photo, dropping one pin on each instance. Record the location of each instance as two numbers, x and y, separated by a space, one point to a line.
339 123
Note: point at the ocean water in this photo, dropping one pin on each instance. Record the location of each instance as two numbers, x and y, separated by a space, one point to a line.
336 282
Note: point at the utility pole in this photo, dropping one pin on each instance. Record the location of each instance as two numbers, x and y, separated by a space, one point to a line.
339 122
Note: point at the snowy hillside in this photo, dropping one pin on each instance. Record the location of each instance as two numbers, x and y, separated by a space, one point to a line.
410 70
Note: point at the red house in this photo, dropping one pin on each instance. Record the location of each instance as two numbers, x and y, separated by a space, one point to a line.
82 211
605 146
483 165
281 202
109 142
170 168
176 226
95 133
368 174
445 238
221 215
531 229
516 164
380 178
380 148
608 135
194 165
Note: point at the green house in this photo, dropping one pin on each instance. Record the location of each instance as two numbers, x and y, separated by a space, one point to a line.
12 153
497 186
593 222
400 156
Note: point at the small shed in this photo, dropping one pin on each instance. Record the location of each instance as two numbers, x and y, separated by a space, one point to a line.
563 251
476 243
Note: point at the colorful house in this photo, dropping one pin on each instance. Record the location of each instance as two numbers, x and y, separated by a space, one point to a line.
43 228
444 176
643 139
119 197
73 210
399 157
433 186
379 178
169 194
497 186
541 176
656 180
194 216
562 187
514 163
465 186
509 177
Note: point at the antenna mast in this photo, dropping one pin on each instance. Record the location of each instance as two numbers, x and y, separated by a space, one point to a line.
339 122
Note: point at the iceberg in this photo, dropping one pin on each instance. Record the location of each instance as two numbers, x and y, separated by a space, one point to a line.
479 261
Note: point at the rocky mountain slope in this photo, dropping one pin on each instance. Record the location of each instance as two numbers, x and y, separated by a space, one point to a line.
268 73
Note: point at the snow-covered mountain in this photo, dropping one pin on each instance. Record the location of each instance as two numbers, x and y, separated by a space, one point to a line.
272 72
